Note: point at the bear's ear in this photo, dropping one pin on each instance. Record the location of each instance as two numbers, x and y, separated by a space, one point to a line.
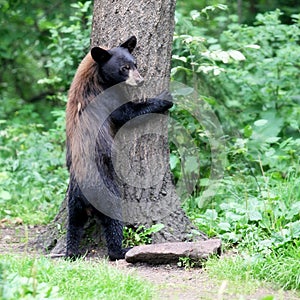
100 55
129 44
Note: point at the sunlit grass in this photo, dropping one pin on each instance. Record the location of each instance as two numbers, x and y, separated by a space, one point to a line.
23 277
281 269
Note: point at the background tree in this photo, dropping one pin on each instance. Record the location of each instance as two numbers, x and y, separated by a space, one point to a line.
153 25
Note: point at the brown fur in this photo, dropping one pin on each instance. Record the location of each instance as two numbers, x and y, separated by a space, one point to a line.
84 88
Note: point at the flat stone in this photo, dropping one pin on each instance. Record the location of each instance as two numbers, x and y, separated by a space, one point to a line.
171 252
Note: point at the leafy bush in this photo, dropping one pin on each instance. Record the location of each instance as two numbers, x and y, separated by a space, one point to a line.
255 74
23 51
258 219
279 267
70 42
33 176
33 179
140 235
256 79
249 76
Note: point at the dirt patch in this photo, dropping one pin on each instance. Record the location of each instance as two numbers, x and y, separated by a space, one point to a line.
16 239
171 281
174 283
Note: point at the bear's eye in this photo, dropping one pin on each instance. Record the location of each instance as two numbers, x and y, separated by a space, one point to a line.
125 68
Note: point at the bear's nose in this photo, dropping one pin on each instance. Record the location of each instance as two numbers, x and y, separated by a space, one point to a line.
140 81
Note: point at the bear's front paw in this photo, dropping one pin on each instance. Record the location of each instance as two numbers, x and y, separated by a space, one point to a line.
165 104
165 100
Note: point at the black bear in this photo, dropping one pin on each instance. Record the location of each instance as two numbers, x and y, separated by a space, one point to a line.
99 71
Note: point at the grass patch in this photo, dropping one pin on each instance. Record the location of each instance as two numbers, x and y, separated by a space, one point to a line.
281 268
41 278
234 269
263 224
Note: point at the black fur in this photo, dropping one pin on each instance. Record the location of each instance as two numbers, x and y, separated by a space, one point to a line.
113 67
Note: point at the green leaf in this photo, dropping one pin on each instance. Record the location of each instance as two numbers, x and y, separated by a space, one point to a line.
184 91
222 6
195 14
269 126
181 58
211 214
294 228
174 161
204 181
236 55
255 215
269 297
155 228
252 46
231 216
4 195
225 226
221 55
261 122
272 140
248 131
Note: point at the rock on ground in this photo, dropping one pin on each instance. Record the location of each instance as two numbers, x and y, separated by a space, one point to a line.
166 253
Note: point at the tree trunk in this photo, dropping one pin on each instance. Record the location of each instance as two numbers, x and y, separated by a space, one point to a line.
240 10
153 200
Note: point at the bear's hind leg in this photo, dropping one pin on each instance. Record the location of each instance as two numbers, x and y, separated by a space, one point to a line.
77 217
113 230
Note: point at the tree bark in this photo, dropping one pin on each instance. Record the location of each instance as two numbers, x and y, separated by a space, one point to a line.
240 10
156 201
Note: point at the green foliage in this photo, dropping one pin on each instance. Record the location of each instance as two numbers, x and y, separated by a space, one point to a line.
140 235
266 81
70 42
259 219
246 10
249 76
263 76
33 179
28 278
39 69
280 267
24 34
33 176
188 263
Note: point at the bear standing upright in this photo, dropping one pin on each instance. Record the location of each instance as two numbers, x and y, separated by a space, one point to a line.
99 71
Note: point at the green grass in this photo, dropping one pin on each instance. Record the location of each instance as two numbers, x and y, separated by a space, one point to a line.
263 224
281 269
41 278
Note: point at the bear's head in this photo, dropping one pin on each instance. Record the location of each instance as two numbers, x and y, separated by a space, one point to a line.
117 64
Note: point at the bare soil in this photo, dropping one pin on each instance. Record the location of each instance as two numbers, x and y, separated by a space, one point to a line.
171 281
